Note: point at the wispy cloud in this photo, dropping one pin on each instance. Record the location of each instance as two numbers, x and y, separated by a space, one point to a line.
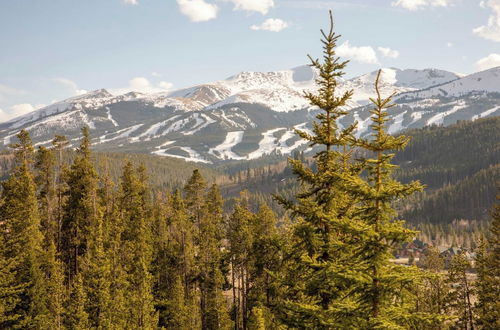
388 52
131 2
70 86
363 54
488 62
261 6
143 85
16 110
329 4
271 24
491 30
421 4
198 10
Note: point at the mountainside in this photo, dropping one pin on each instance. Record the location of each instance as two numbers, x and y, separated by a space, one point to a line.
458 164
252 114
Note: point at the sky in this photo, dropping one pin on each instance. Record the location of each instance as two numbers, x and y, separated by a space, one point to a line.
54 49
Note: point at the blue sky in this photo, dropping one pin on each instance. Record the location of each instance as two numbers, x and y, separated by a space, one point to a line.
54 49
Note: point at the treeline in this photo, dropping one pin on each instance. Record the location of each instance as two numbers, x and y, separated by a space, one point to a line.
79 251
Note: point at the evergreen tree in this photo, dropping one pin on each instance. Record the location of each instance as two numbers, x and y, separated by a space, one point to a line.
56 291
377 193
431 294
176 302
239 235
10 291
459 298
23 253
76 316
320 268
213 305
488 275
137 249
59 142
81 208
97 278
44 166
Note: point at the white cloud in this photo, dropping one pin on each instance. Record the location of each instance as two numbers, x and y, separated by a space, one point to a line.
70 85
364 54
155 74
388 52
271 24
421 4
261 6
142 85
491 30
15 110
165 85
6 91
198 10
131 2
488 62
449 44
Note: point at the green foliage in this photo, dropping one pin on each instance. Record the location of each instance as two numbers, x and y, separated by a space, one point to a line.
488 272
23 254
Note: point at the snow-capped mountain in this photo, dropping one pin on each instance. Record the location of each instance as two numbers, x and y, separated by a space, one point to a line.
253 114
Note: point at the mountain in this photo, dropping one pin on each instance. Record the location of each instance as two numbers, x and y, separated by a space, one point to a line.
252 114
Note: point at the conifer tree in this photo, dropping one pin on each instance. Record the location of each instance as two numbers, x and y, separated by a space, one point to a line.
59 142
10 291
213 305
488 273
459 298
137 249
431 294
176 302
97 277
44 166
23 252
320 268
81 208
239 235
76 316
195 197
377 193
56 291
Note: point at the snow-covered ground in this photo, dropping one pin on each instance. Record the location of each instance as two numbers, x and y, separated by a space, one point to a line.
224 150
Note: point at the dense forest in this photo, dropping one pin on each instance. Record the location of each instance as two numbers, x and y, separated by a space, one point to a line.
83 246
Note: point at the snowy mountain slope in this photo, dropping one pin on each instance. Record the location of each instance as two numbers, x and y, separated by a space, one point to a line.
487 81
253 114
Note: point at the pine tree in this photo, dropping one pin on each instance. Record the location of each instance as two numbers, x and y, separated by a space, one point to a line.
174 267
76 316
81 208
459 298
377 192
213 305
56 291
23 252
239 236
96 272
137 249
59 142
320 268
431 294
488 275
44 166
9 290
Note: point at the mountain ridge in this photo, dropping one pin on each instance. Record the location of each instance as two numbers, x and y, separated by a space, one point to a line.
252 114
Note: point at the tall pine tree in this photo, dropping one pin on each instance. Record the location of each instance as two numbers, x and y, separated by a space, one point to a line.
23 254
